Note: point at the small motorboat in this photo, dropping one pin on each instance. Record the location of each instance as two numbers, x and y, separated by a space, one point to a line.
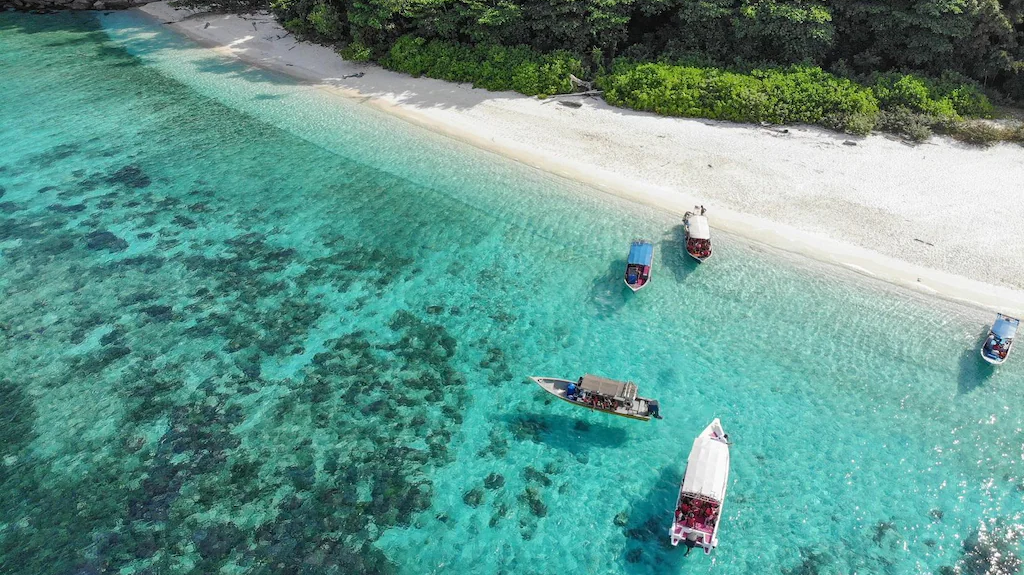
1000 339
602 394
638 265
702 493
698 234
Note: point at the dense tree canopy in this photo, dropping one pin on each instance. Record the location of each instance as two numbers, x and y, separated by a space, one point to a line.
978 39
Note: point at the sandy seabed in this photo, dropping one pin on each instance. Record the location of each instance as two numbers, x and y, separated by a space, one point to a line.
940 217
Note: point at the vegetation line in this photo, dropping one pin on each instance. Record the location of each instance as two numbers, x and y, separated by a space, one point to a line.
912 68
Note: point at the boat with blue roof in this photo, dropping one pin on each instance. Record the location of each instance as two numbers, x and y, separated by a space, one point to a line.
1000 339
638 265
602 394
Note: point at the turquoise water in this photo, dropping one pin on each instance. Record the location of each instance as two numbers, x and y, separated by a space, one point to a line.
249 327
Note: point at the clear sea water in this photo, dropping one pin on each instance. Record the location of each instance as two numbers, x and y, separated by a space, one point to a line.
250 327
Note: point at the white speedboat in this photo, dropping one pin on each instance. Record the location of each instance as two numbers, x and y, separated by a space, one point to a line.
698 234
1000 339
702 493
602 394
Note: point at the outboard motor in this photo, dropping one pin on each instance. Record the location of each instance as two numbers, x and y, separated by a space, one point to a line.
654 409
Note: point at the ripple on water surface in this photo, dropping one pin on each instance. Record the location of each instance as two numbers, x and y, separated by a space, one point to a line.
250 328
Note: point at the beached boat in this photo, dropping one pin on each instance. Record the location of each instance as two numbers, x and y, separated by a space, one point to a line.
1000 339
602 394
698 234
638 265
702 493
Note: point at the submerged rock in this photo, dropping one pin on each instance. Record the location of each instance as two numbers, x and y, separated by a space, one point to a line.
531 496
494 481
131 176
621 518
532 474
159 312
474 497
65 209
104 240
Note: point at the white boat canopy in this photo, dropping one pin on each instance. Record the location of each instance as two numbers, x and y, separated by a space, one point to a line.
698 228
707 469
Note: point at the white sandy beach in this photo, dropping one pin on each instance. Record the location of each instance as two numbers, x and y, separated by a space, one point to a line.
939 217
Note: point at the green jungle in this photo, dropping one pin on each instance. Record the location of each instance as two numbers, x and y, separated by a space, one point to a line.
910 67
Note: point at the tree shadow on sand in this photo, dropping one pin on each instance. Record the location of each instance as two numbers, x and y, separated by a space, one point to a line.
674 256
648 550
974 371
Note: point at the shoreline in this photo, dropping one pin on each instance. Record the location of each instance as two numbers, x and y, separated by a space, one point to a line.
537 133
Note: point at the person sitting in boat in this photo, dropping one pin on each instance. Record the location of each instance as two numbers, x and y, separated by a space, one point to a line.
571 391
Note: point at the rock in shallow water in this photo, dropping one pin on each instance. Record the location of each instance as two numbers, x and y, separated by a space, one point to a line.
494 481
104 240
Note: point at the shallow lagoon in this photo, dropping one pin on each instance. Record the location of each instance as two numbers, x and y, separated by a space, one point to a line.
250 327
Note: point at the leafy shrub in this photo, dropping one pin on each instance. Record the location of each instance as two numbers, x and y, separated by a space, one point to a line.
907 123
356 51
949 98
297 26
980 133
797 94
517 68
326 20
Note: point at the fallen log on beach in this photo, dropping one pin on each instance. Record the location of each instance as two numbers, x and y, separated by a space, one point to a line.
587 94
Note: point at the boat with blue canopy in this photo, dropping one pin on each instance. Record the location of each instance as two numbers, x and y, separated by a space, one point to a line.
638 265
602 394
1000 339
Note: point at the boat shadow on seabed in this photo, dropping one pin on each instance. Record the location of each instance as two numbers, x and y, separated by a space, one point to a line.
673 254
974 371
608 292
575 435
648 550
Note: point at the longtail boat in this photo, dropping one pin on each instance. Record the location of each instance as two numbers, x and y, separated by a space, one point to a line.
602 394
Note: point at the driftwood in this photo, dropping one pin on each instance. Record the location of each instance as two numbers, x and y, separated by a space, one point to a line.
578 84
587 94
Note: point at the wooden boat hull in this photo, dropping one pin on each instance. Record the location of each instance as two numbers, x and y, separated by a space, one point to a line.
559 387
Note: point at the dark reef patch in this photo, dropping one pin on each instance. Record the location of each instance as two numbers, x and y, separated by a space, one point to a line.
66 209
494 481
159 312
131 176
17 414
992 549
104 240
